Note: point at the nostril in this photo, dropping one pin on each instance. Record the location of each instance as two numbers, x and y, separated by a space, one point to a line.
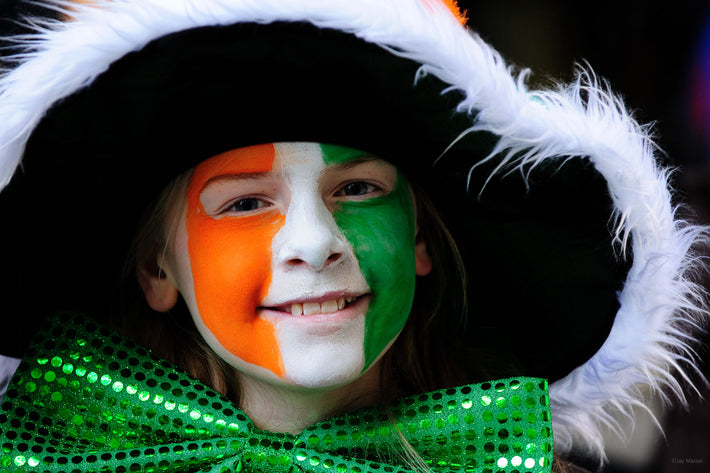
334 257
295 262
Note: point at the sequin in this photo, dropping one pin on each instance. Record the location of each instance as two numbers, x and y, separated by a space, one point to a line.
90 401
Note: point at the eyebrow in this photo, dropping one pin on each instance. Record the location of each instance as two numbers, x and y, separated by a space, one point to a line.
247 176
260 175
356 162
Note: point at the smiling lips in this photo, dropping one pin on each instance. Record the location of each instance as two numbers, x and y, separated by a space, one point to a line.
312 307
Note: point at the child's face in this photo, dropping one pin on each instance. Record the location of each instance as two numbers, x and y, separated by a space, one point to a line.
297 260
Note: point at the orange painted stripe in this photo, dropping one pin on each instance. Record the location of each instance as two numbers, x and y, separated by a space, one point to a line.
231 262
453 6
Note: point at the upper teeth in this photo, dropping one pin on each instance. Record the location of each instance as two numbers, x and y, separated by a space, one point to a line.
325 307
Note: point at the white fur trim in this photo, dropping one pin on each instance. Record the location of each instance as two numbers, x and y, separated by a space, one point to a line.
649 342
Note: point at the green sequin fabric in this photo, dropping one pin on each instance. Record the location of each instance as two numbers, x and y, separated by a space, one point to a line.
86 400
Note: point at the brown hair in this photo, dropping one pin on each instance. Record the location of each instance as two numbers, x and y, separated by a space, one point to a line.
429 353
424 357
172 335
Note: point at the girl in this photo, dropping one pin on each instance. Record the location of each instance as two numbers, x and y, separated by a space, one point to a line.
310 154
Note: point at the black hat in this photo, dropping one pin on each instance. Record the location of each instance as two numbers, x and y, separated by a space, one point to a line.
578 267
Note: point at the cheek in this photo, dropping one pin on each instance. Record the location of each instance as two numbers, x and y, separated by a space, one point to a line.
231 268
381 233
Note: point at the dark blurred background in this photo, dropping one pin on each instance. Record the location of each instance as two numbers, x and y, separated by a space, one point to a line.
649 51
656 55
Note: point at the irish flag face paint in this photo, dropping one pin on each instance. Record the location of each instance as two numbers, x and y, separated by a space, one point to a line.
230 253
381 232
300 259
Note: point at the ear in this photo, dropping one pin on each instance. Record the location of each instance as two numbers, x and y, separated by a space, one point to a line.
422 259
159 291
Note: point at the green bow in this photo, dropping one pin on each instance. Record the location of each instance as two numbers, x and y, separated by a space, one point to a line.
85 399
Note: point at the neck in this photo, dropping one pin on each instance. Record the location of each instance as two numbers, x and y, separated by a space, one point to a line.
292 409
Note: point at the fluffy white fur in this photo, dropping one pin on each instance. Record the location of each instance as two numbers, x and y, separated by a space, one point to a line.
659 304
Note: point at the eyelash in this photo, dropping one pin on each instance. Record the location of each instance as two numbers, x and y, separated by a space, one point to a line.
230 207
369 189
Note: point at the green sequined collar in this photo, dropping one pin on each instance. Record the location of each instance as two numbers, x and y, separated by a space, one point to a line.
87 400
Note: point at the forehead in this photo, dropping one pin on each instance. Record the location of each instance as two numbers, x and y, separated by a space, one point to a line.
250 160
293 159
299 159
298 154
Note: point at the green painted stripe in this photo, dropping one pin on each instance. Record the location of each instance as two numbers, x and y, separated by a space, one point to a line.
381 232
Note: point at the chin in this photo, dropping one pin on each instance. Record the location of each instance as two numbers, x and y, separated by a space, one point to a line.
327 370
323 361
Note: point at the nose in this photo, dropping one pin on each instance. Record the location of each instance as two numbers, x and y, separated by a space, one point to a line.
310 238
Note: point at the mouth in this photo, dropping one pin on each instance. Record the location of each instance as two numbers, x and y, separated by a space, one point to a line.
321 305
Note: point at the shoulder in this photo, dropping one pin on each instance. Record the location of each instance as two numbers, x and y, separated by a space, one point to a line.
561 465
8 366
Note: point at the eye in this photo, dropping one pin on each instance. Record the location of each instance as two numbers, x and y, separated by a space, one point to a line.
247 204
357 188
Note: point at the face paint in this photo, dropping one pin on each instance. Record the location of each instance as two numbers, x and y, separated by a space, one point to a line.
381 232
295 276
230 258
314 270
